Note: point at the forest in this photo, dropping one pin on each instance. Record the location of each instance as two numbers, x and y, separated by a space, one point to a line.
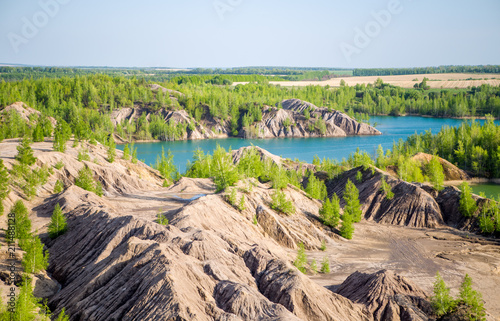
82 107
87 101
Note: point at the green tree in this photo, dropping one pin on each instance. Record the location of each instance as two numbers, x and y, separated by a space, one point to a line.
347 227
351 198
62 134
111 149
315 187
330 211
26 303
471 300
25 153
4 185
38 133
126 152
86 181
23 223
301 260
487 218
224 172
435 173
58 225
467 203
35 258
442 302
134 153
250 163
165 165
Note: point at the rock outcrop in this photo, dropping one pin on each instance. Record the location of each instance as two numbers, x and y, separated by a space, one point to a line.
389 297
289 121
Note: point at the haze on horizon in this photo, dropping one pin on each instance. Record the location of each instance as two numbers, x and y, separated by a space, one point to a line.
236 33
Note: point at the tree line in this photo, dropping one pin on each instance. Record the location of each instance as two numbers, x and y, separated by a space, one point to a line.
488 69
85 103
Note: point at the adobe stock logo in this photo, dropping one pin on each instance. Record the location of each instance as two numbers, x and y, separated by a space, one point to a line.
363 37
31 27
222 7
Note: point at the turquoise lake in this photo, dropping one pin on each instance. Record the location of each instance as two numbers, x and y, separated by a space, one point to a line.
392 128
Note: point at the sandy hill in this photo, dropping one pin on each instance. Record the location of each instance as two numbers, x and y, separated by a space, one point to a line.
215 262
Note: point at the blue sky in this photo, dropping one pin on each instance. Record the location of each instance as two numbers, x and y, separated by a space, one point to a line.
233 33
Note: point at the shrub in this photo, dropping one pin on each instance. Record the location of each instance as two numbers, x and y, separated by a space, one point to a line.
323 245
86 181
471 300
231 197
325 265
83 155
58 187
4 185
386 188
441 301
314 266
301 260
59 164
161 219
241 204
25 153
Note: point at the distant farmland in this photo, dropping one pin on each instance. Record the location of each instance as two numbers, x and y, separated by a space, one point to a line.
450 80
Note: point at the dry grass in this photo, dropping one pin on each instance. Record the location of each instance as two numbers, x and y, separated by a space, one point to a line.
406 81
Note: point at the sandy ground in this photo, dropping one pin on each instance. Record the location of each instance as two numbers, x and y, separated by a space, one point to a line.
417 254
414 253
406 81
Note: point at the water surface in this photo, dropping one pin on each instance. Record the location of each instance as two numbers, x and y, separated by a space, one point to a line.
304 149
489 189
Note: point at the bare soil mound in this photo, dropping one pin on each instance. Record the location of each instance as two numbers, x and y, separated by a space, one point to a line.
388 296
451 172
410 206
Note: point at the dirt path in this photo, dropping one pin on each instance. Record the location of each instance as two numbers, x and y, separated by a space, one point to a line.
417 254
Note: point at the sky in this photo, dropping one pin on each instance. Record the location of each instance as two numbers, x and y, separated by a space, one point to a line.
238 33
